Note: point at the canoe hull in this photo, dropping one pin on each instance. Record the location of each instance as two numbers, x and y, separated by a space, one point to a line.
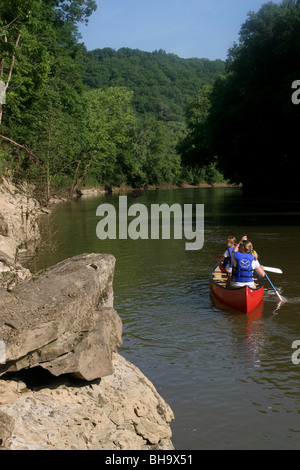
242 299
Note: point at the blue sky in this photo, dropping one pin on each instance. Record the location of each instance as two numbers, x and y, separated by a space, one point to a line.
188 28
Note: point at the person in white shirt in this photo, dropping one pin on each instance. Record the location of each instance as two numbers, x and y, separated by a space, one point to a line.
226 260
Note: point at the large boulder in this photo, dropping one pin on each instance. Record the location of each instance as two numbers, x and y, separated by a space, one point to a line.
122 411
62 320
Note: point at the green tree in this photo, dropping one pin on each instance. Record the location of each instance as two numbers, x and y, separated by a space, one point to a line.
44 89
253 124
194 148
107 124
74 11
155 156
14 17
162 83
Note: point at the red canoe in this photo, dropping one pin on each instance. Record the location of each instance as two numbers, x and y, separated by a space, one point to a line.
243 299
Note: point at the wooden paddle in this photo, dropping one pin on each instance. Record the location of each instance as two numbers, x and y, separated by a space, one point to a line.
280 298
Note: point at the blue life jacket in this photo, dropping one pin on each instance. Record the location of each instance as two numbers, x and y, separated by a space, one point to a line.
228 260
243 270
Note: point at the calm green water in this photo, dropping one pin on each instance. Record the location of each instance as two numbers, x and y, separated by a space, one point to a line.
228 377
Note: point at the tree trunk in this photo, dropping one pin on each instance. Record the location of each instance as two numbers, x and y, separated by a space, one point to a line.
76 180
6 83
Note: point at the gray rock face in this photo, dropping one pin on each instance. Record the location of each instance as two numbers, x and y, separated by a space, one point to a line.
3 227
122 411
19 212
63 319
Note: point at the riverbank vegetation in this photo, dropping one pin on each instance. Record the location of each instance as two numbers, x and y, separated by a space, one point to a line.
74 117
103 117
248 118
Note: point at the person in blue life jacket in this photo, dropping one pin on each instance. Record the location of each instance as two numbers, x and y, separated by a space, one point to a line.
226 261
245 261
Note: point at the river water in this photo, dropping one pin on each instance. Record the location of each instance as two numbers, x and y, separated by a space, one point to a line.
229 377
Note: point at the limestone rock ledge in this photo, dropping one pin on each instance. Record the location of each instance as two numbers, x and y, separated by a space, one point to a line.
62 321
122 411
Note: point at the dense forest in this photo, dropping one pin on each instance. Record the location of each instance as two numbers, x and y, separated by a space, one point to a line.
104 117
250 120
70 117
162 83
163 86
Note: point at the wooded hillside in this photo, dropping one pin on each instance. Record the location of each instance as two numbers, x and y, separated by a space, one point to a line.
69 116
72 117
162 83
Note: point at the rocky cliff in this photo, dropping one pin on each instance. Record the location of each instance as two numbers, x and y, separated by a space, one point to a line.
19 230
121 411
62 383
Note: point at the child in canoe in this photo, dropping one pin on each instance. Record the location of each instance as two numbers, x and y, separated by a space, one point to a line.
245 261
226 261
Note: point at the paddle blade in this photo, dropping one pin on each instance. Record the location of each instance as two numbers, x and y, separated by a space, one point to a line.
273 270
280 298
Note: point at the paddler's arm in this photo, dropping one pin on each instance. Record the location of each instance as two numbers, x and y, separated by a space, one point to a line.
260 270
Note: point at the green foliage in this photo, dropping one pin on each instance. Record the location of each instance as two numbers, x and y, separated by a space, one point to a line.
253 124
106 127
44 89
155 153
162 83
208 174
74 117
5 163
194 147
74 11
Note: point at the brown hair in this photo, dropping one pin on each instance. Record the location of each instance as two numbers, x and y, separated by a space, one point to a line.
249 248
231 239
